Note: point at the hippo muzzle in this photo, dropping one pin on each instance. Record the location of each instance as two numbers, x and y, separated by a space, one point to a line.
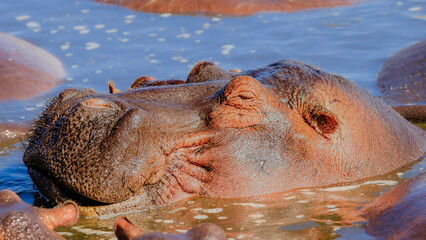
219 134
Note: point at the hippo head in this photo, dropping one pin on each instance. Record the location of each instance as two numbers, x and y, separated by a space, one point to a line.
219 134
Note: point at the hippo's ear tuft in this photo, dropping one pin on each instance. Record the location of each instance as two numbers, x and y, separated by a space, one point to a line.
142 81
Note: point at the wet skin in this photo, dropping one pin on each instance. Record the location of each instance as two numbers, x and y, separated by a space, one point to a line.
219 134
25 69
224 7
402 81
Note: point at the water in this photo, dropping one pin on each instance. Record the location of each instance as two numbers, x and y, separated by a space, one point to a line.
100 43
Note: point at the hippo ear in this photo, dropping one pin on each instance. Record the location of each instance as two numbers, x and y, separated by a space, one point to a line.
207 71
142 81
244 92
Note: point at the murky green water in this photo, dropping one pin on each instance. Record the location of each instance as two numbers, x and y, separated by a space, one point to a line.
98 43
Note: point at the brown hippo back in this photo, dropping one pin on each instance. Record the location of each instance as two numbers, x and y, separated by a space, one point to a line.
26 70
224 7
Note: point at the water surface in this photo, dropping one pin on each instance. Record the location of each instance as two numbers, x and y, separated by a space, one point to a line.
100 43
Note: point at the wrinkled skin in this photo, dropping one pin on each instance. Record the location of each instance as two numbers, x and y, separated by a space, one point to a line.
399 213
20 221
402 80
13 132
224 7
26 70
219 134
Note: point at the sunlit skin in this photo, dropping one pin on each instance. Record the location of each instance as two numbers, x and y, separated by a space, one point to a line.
219 134
25 69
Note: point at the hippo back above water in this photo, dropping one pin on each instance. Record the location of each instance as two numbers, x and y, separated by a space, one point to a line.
220 134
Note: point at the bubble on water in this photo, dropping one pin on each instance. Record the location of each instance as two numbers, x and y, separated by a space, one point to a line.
199 32
85 10
33 24
254 205
126 33
65 46
339 189
39 105
53 31
197 41
206 25
161 40
128 21
162 29
130 16
99 26
183 35
153 61
414 9
22 17
165 15
255 216
124 39
111 31
30 108
69 79
227 48
213 210
85 31
85 80
92 45
399 3
216 19
241 236
201 217
168 221
69 54
289 198
98 71
152 35
74 66
36 30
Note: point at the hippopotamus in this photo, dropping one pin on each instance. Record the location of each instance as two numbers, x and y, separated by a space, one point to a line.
224 7
25 69
219 133
402 81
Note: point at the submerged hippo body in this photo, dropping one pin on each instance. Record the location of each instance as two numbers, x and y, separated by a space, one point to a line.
402 81
25 69
225 7
220 134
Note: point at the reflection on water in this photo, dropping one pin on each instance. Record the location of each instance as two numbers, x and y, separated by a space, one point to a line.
98 43
317 213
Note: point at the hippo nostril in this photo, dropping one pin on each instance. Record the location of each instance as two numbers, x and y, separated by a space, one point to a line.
96 103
